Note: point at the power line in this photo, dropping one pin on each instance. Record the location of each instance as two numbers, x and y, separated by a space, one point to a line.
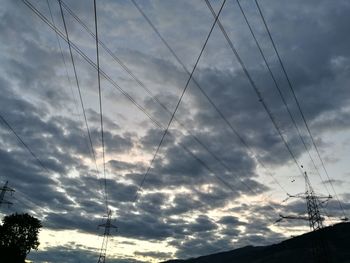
297 103
222 116
182 94
100 102
70 84
26 146
93 64
154 98
110 80
89 61
76 80
79 91
63 59
278 89
142 85
255 88
85 57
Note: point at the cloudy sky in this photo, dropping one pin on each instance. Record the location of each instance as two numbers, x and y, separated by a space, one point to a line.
223 169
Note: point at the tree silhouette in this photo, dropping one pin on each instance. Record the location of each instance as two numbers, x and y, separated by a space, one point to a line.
18 235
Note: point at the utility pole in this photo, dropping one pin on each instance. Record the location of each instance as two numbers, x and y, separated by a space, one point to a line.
5 189
320 247
107 226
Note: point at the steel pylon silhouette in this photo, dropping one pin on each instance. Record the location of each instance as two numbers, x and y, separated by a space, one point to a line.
5 189
107 226
312 203
320 248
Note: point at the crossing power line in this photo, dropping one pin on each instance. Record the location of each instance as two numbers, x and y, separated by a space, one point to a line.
77 81
182 94
114 84
276 85
203 92
70 83
155 99
157 124
255 88
154 121
173 114
290 85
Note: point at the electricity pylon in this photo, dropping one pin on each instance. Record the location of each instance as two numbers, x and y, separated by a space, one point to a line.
5 189
313 202
107 226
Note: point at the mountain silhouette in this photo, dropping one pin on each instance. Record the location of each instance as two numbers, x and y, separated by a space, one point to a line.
295 250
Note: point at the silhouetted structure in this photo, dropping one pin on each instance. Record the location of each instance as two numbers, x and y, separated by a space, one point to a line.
5 189
108 225
320 249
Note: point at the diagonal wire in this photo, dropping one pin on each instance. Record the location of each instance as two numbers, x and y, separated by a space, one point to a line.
95 67
298 104
26 146
255 88
110 80
222 116
142 85
63 59
180 99
100 102
78 87
279 90
76 80
89 61
69 81
154 98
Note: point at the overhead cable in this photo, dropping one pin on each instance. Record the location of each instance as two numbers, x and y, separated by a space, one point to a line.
222 116
279 90
114 84
255 88
100 103
298 105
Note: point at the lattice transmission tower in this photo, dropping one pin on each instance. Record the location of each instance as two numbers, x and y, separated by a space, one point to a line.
107 226
313 205
320 248
4 190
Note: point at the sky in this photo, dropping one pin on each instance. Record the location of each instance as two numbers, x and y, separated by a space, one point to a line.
221 176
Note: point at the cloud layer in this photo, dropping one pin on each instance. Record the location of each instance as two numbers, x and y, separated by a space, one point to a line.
206 190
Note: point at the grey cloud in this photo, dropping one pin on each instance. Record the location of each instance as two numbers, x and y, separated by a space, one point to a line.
156 255
71 254
229 220
202 223
313 43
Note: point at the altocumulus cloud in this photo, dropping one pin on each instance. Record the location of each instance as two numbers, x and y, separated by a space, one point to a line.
182 205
